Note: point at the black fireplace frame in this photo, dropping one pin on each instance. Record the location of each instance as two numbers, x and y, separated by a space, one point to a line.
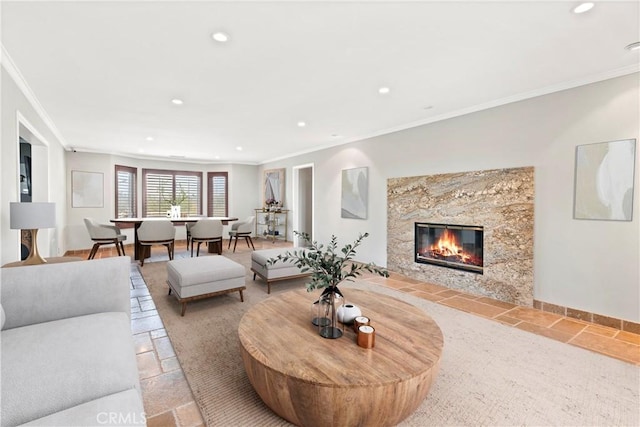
443 263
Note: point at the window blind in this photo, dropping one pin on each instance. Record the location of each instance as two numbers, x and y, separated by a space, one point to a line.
163 188
218 194
125 192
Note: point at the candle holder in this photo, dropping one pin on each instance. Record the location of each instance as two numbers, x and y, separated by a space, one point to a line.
366 336
360 321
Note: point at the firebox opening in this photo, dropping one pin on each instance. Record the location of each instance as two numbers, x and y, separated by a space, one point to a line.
450 245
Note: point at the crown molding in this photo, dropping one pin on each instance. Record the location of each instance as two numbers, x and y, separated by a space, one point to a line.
595 78
17 77
142 156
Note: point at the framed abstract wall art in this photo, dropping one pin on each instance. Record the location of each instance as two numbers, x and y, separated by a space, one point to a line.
604 177
355 184
87 189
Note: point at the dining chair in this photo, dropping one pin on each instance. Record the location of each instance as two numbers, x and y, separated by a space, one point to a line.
104 234
206 231
188 226
242 229
156 232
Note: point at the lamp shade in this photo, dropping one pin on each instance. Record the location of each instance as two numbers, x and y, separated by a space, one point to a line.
32 216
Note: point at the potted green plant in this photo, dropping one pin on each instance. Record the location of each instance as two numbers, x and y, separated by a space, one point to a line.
329 267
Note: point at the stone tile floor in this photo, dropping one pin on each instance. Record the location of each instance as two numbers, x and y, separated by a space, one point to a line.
168 400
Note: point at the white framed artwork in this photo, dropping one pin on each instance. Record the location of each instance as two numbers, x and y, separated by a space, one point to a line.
87 189
604 177
355 198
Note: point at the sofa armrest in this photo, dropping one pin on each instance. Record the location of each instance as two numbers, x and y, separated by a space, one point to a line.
42 293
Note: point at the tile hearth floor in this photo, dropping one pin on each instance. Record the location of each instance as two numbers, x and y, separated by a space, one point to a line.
168 400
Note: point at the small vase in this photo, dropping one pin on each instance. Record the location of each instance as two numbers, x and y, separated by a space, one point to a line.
175 211
347 313
327 318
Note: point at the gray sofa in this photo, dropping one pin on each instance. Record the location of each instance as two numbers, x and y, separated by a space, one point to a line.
67 351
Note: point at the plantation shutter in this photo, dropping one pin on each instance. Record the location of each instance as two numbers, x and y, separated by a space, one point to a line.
158 194
189 186
125 192
161 188
218 194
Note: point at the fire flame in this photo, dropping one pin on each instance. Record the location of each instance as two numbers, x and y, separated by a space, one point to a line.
447 245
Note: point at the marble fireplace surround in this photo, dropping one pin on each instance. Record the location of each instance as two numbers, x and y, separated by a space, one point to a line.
500 200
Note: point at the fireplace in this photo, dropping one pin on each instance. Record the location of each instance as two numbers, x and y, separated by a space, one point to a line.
449 245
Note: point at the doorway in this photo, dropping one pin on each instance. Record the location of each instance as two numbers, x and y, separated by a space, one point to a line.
302 202
32 176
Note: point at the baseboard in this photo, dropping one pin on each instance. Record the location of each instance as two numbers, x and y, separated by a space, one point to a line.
599 319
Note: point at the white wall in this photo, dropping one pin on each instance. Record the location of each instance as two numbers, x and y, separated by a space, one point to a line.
242 194
48 172
587 265
75 231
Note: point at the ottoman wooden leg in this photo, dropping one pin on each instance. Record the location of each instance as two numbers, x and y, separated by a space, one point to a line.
184 308
241 297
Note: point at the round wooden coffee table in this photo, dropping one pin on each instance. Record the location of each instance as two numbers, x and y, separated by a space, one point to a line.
313 381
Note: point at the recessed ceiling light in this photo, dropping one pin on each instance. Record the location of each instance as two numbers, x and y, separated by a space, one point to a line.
384 90
177 101
239 148
335 135
633 46
221 37
301 124
583 7
149 138
428 107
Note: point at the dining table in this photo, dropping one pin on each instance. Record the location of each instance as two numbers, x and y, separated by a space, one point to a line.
136 221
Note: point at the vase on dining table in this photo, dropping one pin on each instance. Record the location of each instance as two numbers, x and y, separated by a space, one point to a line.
175 211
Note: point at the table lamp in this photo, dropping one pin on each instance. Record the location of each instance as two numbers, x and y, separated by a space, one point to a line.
32 216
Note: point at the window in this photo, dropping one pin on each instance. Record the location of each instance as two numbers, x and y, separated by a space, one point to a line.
162 188
218 195
126 192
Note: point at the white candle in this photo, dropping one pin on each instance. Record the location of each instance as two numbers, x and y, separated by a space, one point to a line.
366 336
359 321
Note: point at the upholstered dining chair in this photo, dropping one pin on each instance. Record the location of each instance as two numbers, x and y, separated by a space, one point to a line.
206 231
242 229
156 232
188 226
104 234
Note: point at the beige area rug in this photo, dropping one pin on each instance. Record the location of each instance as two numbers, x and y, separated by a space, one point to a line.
490 374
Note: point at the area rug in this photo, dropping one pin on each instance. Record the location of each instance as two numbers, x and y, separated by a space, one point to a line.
490 374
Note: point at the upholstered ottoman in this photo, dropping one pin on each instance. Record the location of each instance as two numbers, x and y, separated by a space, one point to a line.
278 271
204 277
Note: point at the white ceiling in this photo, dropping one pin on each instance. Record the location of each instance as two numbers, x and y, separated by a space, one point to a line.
105 72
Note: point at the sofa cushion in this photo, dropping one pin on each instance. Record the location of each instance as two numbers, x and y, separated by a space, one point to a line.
261 257
49 367
120 409
195 271
42 293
